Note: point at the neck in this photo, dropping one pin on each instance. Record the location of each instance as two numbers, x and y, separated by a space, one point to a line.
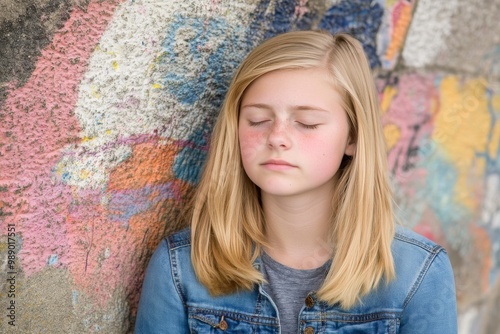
298 230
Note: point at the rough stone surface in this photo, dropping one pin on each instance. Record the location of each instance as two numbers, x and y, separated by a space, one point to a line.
26 28
106 110
456 35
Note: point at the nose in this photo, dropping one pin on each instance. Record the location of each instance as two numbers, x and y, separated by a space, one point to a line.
279 135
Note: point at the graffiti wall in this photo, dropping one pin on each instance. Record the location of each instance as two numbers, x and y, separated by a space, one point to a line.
106 109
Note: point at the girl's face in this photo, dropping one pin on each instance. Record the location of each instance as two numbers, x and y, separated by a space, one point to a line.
293 132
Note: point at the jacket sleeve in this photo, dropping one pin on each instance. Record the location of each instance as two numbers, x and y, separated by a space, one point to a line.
161 309
432 308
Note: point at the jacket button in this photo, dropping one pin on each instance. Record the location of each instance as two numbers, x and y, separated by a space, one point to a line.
309 330
223 324
309 301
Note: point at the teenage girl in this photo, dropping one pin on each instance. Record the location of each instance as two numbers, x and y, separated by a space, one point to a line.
292 228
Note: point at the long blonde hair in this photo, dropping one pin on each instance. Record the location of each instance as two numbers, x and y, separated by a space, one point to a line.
227 220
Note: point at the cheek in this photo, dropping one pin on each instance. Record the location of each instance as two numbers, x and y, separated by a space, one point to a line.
324 155
250 141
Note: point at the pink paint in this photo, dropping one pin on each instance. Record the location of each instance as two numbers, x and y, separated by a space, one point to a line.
396 12
106 255
301 9
42 123
410 111
425 230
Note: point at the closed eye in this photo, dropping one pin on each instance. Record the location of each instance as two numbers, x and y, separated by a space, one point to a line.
308 126
251 123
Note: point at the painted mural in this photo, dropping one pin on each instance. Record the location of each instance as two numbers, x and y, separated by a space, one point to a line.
106 121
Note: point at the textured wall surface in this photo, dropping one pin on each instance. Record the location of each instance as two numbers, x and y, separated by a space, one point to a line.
106 109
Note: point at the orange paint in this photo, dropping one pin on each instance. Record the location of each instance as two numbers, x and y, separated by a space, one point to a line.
399 31
149 164
482 245
145 232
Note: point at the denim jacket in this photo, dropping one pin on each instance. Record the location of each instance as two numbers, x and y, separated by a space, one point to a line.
421 299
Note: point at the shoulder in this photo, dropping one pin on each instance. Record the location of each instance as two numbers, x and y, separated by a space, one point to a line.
418 261
405 238
419 264
414 254
173 255
163 302
424 276
173 246
179 239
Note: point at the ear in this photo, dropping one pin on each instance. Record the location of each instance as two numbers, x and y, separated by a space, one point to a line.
350 148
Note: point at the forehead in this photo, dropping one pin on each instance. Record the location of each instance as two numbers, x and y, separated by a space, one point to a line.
293 87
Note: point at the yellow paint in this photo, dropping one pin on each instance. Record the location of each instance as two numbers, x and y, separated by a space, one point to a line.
392 133
151 67
86 139
495 141
156 86
495 101
95 92
399 32
84 174
461 130
390 3
59 169
434 106
115 65
389 93
480 166
108 132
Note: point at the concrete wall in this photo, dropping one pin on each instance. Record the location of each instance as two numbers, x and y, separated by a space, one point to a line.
106 108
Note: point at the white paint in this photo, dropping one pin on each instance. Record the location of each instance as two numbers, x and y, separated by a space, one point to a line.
122 95
428 32
468 321
490 214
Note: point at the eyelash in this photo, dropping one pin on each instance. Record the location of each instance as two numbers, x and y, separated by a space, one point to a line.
305 126
256 123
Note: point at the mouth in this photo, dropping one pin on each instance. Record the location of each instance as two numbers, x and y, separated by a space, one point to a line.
278 164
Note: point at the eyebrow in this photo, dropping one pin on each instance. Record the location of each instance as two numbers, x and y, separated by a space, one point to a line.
297 107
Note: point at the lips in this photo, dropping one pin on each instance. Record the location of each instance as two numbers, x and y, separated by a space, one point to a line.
278 164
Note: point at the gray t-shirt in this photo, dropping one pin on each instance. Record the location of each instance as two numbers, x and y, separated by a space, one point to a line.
289 288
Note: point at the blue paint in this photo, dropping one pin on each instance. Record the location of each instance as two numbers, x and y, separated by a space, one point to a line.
359 18
205 76
74 298
266 24
207 72
493 165
65 176
492 168
305 22
127 203
439 194
490 61
188 163
53 259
